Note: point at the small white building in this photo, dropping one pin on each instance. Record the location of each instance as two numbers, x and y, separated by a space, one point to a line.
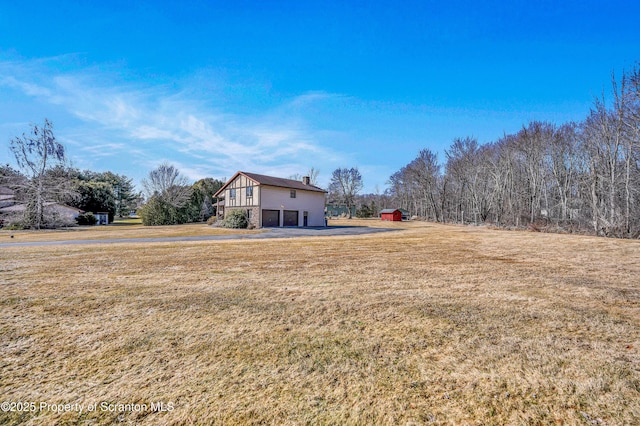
102 218
271 201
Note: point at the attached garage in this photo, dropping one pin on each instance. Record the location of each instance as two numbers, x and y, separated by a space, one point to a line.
271 218
272 201
290 218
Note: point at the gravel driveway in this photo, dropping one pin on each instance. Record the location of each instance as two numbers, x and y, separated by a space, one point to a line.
269 233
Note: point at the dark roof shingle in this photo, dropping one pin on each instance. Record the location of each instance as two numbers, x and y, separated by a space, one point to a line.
272 181
281 182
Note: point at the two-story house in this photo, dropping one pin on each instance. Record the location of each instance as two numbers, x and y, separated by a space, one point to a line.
271 201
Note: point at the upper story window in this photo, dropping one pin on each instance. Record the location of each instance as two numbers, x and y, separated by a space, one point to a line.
232 193
249 191
292 194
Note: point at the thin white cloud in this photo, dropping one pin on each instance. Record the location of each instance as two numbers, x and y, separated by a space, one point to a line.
143 124
313 97
103 150
145 132
28 88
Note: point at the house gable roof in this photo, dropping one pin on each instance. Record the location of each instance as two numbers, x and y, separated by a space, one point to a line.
271 181
48 205
389 211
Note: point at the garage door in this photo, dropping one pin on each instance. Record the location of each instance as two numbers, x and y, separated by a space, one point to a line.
270 217
290 218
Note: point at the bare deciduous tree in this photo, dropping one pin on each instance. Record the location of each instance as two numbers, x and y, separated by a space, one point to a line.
312 174
575 176
41 158
346 184
166 183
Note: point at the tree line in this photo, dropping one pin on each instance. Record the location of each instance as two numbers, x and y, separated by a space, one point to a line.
44 177
171 200
574 177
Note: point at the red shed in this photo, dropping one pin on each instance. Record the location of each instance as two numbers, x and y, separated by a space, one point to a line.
394 215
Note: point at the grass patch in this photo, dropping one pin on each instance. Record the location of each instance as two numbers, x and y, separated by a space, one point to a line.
126 221
433 324
128 228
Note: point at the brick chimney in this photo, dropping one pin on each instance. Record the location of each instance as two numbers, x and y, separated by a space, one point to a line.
306 180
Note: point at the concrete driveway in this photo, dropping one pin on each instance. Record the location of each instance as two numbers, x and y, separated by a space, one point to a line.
269 233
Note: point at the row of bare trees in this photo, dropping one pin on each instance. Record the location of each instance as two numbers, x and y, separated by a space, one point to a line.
575 177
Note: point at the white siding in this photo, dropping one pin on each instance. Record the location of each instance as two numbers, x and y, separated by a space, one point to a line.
274 198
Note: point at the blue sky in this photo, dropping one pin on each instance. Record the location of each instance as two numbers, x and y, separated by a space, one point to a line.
278 87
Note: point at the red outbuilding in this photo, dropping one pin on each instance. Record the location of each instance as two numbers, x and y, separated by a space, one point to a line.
391 214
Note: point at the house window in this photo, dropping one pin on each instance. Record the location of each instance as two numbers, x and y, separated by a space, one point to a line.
249 214
292 194
249 191
232 198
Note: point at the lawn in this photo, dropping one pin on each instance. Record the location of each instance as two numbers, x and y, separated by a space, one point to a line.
433 324
121 228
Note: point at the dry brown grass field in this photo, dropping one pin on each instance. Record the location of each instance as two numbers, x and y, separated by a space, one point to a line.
431 324
119 230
